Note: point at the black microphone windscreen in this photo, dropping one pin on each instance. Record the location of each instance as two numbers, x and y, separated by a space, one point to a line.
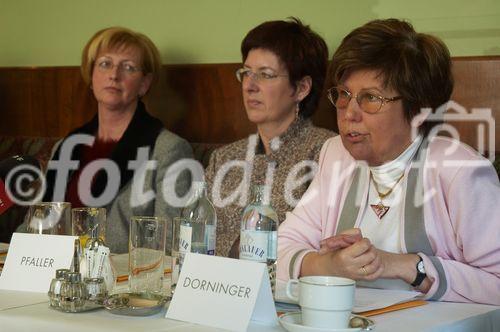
7 165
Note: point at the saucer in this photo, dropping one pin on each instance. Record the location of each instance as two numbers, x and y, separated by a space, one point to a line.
292 322
135 304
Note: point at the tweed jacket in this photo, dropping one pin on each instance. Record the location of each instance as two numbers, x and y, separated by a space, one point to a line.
294 154
451 217
164 147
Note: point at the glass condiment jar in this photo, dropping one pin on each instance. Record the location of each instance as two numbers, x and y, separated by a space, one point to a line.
96 290
73 293
55 288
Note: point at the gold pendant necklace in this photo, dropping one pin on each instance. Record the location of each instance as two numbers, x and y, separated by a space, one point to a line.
380 209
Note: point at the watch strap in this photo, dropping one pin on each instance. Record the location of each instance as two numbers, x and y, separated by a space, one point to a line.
420 276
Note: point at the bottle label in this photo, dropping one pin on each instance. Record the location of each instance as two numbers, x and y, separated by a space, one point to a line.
210 239
272 252
185 238
253 245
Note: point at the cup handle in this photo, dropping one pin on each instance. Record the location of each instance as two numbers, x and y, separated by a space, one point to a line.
289 287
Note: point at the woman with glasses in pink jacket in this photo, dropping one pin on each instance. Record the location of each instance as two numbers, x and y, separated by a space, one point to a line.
392 205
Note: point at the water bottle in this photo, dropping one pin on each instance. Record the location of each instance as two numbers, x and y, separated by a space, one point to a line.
202 219
259 235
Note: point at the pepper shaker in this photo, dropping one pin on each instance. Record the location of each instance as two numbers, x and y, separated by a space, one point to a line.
55 288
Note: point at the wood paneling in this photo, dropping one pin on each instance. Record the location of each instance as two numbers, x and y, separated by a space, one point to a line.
477 82
43 101
202 103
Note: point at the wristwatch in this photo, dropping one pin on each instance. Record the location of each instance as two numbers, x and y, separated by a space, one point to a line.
420 273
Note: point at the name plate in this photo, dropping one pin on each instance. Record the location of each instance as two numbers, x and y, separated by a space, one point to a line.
33 259
223 292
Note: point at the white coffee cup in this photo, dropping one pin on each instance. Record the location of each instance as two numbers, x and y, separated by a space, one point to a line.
325 301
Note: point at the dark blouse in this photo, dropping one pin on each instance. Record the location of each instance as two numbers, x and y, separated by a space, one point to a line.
100 150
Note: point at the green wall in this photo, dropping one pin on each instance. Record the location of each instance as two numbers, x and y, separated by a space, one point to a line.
53 32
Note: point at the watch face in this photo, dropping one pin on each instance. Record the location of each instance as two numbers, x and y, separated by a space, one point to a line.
420 267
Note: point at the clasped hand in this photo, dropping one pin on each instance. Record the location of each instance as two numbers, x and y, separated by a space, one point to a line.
350 255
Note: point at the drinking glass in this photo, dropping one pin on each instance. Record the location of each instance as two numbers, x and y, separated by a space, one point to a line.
49 218
89 222
146 254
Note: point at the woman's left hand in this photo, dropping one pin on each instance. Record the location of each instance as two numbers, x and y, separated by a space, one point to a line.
390 265
399 266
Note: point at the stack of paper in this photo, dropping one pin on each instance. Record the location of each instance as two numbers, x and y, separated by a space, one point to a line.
370 301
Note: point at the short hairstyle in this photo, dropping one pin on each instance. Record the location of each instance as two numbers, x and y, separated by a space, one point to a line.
416 65
118 38
300 49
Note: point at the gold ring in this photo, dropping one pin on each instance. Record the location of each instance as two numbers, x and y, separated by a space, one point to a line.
364 270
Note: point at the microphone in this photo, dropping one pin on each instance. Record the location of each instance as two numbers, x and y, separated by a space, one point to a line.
17 174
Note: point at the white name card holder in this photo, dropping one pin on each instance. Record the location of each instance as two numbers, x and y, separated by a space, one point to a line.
223 292
33 259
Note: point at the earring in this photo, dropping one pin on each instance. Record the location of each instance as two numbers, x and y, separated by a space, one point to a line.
297 110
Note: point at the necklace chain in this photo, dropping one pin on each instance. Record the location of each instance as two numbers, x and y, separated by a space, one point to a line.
384 195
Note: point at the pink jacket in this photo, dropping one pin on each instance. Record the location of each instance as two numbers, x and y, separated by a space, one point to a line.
461 219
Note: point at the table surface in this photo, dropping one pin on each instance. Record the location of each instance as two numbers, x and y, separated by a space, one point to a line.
435 316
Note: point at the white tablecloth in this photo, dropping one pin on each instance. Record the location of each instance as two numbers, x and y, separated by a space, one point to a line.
434 316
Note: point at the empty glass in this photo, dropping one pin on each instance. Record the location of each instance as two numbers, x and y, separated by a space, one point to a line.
49 218
146 253
89 222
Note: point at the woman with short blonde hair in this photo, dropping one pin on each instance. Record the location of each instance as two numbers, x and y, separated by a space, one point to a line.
120 66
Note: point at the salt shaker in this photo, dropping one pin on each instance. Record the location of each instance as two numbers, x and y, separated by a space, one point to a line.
73 293
55 288
96 290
